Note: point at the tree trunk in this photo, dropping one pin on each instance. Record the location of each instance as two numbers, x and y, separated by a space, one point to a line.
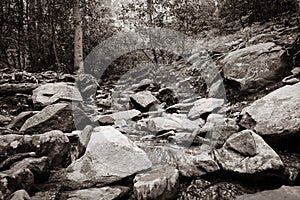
78 49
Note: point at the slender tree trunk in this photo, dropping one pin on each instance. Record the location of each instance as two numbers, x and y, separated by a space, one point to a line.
78 49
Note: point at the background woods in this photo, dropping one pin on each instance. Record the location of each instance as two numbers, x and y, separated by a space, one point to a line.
37 35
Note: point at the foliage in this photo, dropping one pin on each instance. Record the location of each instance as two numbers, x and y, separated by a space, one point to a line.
38 35
249 11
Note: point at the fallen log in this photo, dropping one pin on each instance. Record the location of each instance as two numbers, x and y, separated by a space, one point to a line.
13 88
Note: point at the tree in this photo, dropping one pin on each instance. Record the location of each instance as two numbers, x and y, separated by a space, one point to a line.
78 46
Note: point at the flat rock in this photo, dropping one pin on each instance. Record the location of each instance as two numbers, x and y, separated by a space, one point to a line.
159 183
125 115
255 66
203 106
255 157
110 156
20 119
167 123
52 92
53 117
277 113
103 193
143 100
285 192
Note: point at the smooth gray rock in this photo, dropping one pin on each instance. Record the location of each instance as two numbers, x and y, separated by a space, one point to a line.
246 152
110 156
159 183
277 113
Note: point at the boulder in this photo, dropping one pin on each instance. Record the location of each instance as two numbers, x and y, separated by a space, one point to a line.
277 113
21 175
103 193
246 152
53 92
285 192
204 106
159 183
255 66
53 117
110 156
143 100
54 145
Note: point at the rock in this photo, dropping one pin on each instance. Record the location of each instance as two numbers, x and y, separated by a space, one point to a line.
54 145
125 115
200 164
285 192
182 138
105 120
189 165
21 175
4 120
219 128
53 92
20 195
143 100
168 96
159 183
277 113
19 120
104 193
183 107
255 66
204 106
167 123
110 156
247 152
53 117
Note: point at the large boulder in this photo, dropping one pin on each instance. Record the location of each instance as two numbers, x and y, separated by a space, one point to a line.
54 145
246 152
255 66
52 92
277 113
53 117
159 183
110 156
22 175
285 192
